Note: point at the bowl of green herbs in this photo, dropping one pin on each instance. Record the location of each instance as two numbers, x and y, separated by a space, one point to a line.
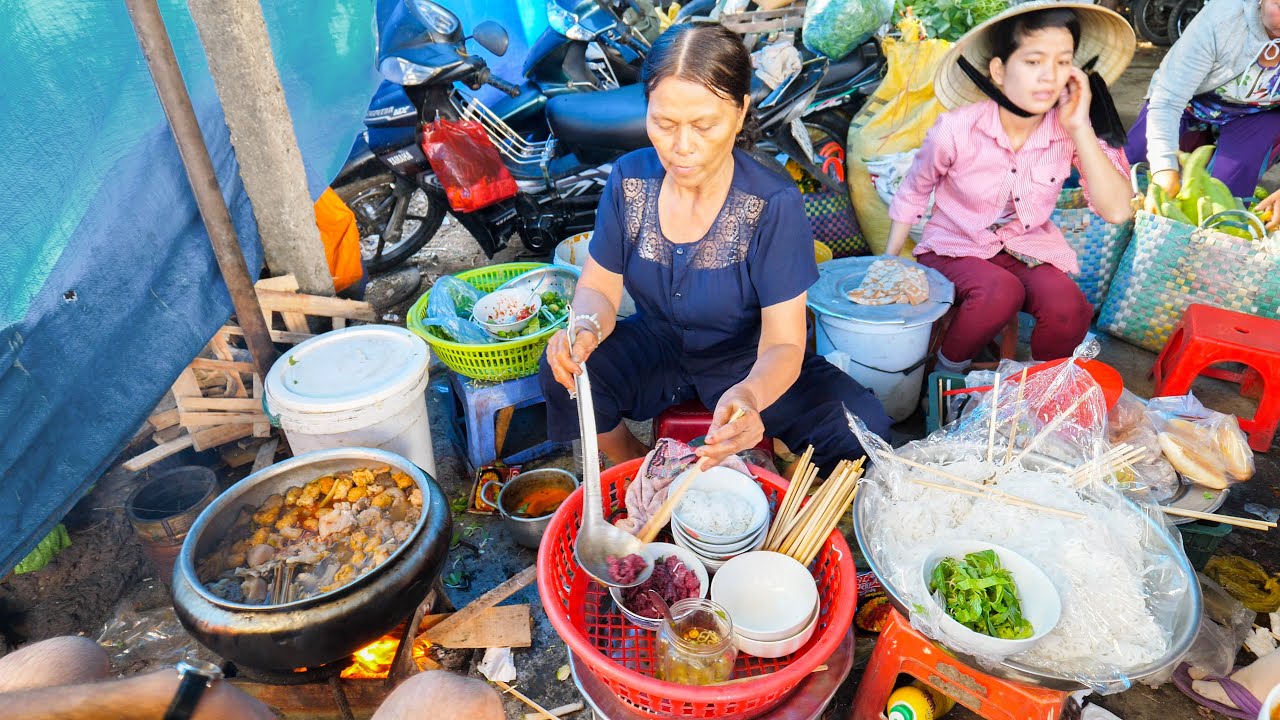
989 600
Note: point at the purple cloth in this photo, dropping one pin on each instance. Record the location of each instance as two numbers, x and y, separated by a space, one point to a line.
1246 140
1247 706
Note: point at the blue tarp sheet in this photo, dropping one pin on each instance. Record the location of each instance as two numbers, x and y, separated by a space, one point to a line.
108 285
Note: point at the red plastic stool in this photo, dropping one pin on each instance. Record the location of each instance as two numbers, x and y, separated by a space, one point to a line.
690 420
902 649
1209 335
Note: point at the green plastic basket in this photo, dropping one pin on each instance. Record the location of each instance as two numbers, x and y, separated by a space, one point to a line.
1200 540
494 362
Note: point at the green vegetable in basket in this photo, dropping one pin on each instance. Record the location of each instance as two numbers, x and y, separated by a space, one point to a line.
554 303
950 19
980 594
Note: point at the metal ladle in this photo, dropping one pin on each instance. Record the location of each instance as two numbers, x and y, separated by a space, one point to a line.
598 540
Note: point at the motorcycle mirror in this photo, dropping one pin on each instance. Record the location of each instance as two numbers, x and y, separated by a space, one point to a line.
492 37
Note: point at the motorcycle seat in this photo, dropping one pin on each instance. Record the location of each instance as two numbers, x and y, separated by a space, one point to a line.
854 64
610 118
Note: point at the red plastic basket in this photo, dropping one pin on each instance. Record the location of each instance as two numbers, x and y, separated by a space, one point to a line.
621 654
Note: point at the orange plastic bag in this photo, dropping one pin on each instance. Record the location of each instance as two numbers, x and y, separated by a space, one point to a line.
467 163
341 237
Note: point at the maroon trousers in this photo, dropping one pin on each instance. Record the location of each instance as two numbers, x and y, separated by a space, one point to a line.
990 292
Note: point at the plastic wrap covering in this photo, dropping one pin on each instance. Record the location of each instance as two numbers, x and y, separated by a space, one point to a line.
449 310
1153 479
1207 447
108 284
836 27
1125 587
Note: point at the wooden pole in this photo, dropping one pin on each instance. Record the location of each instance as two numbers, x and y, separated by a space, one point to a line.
149 26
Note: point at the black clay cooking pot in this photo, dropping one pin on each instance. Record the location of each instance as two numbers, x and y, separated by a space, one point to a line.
330 626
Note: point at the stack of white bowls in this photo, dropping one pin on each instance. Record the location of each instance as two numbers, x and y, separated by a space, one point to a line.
773 601
714 550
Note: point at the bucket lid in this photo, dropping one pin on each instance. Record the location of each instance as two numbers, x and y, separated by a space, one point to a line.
837 278
347 369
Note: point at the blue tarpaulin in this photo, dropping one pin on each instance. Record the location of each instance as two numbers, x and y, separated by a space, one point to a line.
108 285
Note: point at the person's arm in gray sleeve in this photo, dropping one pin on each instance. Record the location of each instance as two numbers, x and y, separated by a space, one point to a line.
1184 68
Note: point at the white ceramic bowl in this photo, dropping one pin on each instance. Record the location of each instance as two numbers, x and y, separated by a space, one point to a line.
496 312
713 552
1041 603
770 596
713 564
777 648
722 479
1271 706
655 552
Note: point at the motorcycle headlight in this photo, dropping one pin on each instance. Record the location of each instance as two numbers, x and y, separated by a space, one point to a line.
434 17
402 72
566 23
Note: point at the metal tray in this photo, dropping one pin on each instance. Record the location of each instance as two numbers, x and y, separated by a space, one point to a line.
1187 623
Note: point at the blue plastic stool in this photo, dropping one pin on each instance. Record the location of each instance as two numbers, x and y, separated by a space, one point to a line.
475 428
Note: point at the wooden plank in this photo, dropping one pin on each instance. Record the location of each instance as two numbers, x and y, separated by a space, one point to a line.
295 322
473 609
158 453
166 435
162 420
501 424
239 454
277 301
206 419
223 365
314 701
501 626
266 455
339 323
186 385
283 283
219 435
223 404
262 429
280 336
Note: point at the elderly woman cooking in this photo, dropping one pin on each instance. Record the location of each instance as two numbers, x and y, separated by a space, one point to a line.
717 252
1223 72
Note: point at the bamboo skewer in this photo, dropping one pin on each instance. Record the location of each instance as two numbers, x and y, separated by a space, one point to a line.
1017 415
542 712
812 510
793 519
1214 517
799 486
995 411
830 522
988 490
823 513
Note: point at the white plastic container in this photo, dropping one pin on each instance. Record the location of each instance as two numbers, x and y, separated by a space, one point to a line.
883 347
572 251
358 387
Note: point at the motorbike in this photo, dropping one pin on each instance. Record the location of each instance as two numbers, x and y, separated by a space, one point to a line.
559 149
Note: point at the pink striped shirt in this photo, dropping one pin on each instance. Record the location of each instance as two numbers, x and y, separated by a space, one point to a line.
967 163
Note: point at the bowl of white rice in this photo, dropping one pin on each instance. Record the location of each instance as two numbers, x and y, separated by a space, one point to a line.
723 508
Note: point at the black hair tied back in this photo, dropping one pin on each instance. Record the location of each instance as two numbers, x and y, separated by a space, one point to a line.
712 56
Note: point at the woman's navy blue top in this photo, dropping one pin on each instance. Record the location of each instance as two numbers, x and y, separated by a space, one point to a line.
703 299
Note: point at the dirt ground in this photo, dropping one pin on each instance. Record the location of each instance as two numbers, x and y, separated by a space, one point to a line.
82 587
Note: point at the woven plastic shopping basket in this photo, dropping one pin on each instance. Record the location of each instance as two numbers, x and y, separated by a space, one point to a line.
1170 265
1099 245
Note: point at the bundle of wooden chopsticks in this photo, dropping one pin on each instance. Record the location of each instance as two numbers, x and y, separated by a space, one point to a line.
1123 456
799 529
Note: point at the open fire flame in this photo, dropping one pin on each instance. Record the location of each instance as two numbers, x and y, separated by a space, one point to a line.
373 661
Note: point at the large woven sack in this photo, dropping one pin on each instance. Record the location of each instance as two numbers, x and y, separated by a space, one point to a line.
1170 265
1099 245
895 119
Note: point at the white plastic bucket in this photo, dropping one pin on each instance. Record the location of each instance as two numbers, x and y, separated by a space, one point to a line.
572 251
886 359
358 387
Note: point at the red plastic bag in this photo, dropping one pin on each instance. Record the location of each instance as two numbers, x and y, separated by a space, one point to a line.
467 163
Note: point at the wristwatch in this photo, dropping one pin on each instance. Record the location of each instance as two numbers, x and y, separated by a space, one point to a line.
197 676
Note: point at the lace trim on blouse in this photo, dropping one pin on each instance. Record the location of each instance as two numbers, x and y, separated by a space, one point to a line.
725 244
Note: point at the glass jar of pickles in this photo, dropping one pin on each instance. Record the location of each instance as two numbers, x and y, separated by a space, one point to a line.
697 649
